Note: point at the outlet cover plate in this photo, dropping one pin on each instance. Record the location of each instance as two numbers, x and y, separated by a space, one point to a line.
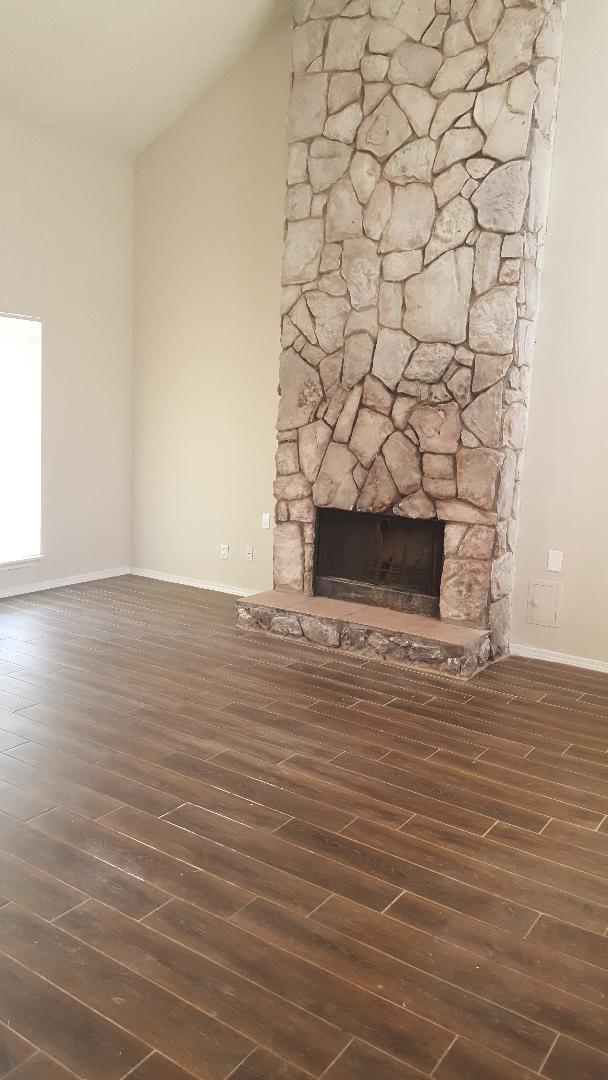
544 603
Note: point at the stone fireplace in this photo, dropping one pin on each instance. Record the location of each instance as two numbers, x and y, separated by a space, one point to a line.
420 142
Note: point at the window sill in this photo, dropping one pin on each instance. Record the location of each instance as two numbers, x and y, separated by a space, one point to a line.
18 564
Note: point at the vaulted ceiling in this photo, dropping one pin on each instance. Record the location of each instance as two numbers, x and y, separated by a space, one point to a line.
116 72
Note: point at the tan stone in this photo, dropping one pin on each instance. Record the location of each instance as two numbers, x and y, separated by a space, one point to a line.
346 421
393 350
437 427
330 314
307 44
457 144
508 131
344 217
327 8
371 430
329 370
477 476
403 460
484 18
450 183
492 321
298 201
335 485
313 440
400 265
363 322
452 226
465 587
499 622
379 492
358 353
364 173
549 41
297 163
343 125
429 362
376 396
478 542
374 68
385 37
417 505
286 459
307 107
452 538
506 487
327 162
437 300
390 305
344 89
415 17
503 575
459 386
489 370
501 199
439 489
418 105
402 410
302 253
487 262
378 210
411 220
291 487
361 271
415 64
450 109
435 32
455 510
510 49
346 43
514 433
301 391
386 128
457 71
483 416
412 162
288 557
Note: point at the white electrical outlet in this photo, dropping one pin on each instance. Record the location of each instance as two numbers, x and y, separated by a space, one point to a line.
265 521
248 552
224 551
554 561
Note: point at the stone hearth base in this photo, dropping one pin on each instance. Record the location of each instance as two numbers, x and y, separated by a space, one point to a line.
373 632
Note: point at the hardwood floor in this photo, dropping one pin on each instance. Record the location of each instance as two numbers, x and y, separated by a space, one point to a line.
224 854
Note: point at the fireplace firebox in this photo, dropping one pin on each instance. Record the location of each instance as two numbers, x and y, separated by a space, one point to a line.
379 559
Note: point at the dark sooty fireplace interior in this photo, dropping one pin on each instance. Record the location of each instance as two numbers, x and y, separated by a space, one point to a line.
379 559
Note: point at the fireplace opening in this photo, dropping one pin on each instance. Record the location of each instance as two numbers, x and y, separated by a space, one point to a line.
379 559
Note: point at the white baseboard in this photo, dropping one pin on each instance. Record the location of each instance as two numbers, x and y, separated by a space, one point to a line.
195 583
77 579
558 658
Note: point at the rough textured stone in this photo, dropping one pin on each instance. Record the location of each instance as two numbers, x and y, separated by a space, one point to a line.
344 89
449 110
327 162
301 391
343 125
455 510
335 485
477 476
307 107
501 199
515 426
412 162
478 542
418 105
346 420
437 427
411 220
505 114
415 64
457 39
489 370
450 183
503 575
403 460
457 71
437 300
344 217
361 271
506 488
429 362
465 587
415 506
483 416
302 253
330 318
459 386
487 262
452 226
390 305
386 128
485 17
346 43
457 144
358 353
313 440
492 321
393 350
379 492
401 265
374 68
378 210
402 410
415 17
371 431
510 49
288 561
364 173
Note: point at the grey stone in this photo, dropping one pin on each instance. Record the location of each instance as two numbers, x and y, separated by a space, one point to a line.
335 485
361 271
437 427
379 492
391 355
371 430
492 321
344 217
302 253
307 107
415 506
437 300
429 362
411 220
364 173
477 476
418 105
301 391
452 226
403 460
415 64
346 43
483 416
313 440
499 622
510 49
286 625
412 162
385 129
501 198
358 353
320 631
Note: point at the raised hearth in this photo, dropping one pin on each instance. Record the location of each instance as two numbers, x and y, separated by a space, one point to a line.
370 631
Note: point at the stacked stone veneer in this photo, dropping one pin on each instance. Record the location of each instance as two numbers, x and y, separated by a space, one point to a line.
420 137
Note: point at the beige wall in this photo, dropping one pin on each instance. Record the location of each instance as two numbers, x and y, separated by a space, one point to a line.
565 504
66 255
208 240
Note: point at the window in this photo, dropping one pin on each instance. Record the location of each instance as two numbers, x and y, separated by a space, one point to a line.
20 438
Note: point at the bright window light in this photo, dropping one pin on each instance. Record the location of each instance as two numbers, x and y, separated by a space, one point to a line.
20 438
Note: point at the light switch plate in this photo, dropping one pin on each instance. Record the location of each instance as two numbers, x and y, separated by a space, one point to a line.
554 561
544 603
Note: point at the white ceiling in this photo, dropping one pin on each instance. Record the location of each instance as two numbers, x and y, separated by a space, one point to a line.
116 72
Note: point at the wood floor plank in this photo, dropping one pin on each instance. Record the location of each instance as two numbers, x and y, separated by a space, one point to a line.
570 1059
41 1067
361 1060
13 1050
141 1007
467 1061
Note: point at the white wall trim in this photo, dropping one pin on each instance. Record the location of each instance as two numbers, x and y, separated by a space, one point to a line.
558 658
77 579
175 579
